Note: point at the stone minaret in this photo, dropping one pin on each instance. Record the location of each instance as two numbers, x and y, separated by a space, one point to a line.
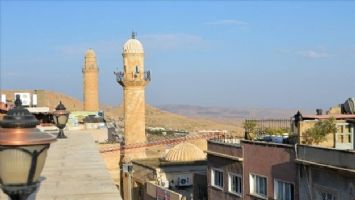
91 76
133 79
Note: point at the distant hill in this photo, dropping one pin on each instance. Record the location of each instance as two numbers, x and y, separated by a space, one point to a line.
229 113
160 118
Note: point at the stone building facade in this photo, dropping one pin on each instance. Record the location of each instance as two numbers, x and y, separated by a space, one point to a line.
91 81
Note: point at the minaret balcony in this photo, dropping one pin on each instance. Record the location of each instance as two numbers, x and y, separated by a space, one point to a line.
133 78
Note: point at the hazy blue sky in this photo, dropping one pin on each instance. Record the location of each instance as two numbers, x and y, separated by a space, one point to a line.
292 54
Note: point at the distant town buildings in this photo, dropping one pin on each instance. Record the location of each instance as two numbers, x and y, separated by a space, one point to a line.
90 82
40 98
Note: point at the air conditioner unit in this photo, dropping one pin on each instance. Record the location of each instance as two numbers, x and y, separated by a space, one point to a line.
128 168
184 181
164 183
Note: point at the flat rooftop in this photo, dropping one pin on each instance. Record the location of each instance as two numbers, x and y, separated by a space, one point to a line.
74 170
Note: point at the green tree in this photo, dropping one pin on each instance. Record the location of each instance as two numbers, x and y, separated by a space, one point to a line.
249 127
321 129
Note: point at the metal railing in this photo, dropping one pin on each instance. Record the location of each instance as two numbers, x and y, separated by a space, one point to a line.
121 76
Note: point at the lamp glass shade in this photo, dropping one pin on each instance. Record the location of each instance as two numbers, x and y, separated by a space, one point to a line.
55 118
15 164
62 119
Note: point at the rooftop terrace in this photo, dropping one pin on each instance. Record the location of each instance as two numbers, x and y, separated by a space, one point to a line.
75 170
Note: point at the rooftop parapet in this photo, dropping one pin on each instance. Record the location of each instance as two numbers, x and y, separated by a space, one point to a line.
326 157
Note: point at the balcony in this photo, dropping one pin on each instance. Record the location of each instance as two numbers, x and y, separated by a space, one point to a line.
133 78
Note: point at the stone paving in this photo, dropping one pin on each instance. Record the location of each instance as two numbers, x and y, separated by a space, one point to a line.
74 170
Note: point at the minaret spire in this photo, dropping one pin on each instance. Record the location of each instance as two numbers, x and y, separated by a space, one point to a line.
134 34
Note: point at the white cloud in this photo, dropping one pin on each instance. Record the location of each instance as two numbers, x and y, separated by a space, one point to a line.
228 22
171 41
313 54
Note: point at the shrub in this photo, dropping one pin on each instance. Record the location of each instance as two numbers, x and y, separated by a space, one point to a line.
321 129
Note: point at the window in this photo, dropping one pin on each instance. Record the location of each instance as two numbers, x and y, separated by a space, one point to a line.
217 178
344 134
235 183
324 193
347 128
326 196
258 185
283 190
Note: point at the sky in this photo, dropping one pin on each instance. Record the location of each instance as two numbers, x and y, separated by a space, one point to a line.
256 54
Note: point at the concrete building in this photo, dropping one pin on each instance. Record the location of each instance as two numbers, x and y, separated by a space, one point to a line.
251 170
224 160
90 83
269 171
325 174
344 115
344 138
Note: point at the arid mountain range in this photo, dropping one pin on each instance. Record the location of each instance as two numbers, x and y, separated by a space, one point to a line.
160 118
229 112
183 117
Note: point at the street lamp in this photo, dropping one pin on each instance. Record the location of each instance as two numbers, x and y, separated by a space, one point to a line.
60 116
23 151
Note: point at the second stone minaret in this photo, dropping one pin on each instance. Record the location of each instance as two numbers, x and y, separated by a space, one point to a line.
91 81
133 79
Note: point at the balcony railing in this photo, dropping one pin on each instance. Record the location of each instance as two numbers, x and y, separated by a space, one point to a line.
133 76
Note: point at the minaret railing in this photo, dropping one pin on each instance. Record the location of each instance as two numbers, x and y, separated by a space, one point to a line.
132 76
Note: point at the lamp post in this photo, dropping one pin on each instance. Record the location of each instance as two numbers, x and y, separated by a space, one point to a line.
23 151
60 116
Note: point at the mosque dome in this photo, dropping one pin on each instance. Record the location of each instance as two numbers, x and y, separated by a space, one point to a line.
185 152
90 53
133 45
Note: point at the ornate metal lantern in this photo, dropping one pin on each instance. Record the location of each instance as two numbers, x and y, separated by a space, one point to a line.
23 151
60 116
